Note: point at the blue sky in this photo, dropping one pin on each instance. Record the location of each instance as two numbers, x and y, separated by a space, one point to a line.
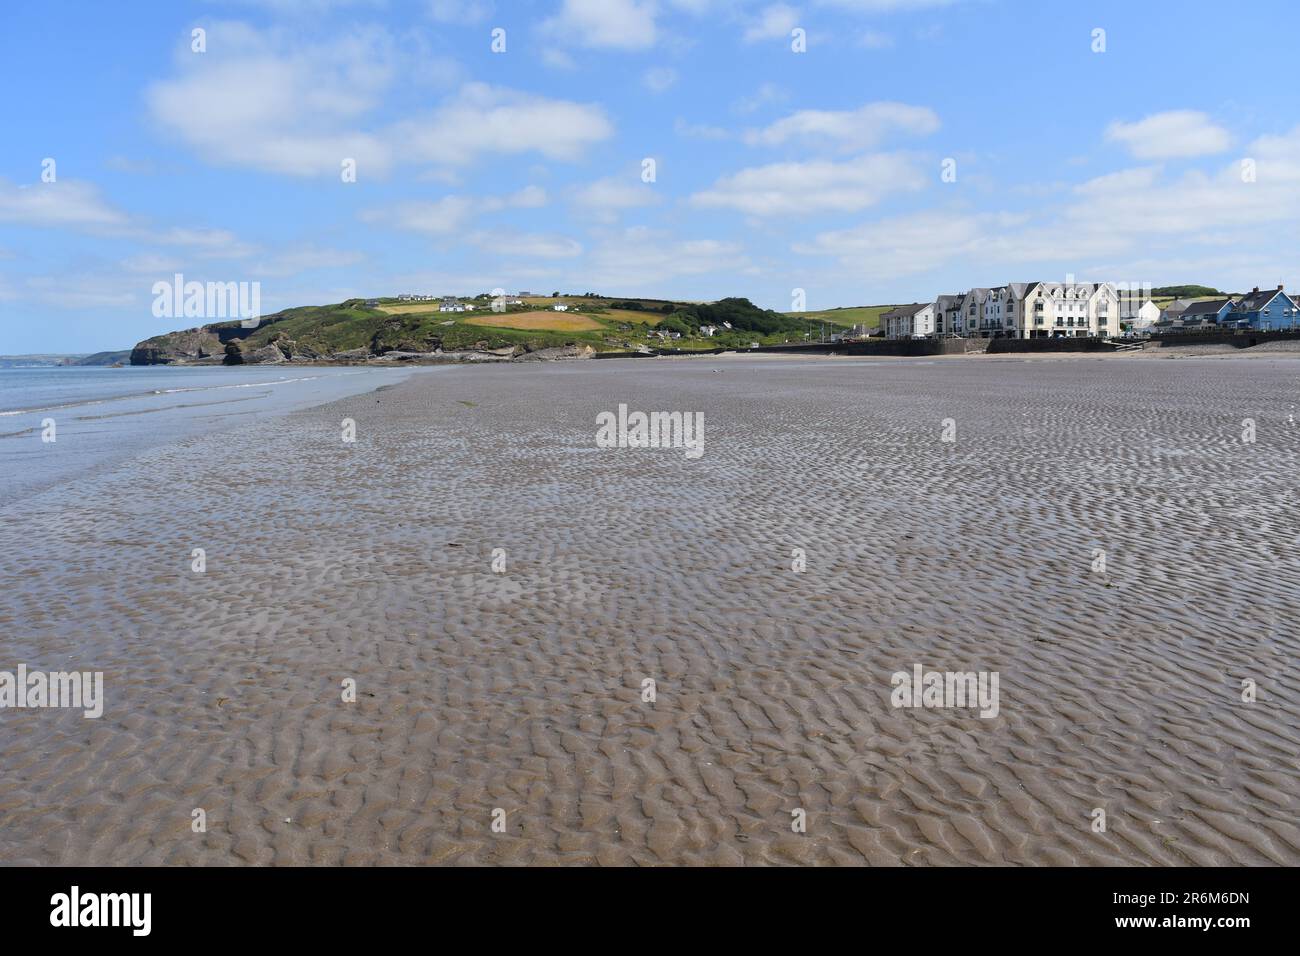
774 169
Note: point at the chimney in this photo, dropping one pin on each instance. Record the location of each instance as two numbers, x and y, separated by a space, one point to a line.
1279 287
1254 290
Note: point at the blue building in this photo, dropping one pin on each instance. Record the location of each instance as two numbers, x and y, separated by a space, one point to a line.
1271 309
1205 314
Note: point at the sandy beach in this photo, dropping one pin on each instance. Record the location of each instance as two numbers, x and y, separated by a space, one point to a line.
522 691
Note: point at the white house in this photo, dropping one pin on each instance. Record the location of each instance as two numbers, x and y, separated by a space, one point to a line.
560 307
708 330
909 321
1146 316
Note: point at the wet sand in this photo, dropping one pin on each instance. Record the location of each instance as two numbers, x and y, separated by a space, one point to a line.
523 690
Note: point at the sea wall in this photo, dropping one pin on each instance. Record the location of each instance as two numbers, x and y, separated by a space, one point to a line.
1242 340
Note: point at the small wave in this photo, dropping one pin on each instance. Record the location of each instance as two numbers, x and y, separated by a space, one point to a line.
152 393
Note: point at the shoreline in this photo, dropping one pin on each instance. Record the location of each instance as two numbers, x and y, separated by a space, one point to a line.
100 420
1274 349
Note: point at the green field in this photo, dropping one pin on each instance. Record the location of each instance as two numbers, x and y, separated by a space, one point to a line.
847 316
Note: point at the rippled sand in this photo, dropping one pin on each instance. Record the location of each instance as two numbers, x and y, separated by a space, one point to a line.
522 691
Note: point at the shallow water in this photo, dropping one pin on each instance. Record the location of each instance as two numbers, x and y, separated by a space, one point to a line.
102 415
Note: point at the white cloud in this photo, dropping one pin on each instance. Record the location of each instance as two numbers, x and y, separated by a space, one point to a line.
903 245
450 215
795 189
66 203
606 198
885 6
79 290
557 59
482 119
618 24
460 11
862 128
640 260
268 102
1171 135
529 245
699 130
1135 224
207 243
306 258
773 22
659 79
767 94
262 101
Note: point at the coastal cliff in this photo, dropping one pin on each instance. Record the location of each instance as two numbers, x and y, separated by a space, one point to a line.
350 333
473 330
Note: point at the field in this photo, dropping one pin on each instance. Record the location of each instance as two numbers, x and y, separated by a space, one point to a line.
537 321
631 317
410 308
868 315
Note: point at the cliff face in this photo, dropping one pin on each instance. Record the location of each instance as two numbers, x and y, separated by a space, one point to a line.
200 346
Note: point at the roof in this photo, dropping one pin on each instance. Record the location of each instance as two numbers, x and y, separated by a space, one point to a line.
1075 287
1021 289
1257 300
905 311
1205 307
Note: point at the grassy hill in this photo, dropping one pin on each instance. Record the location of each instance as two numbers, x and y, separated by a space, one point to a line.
846 316
599 322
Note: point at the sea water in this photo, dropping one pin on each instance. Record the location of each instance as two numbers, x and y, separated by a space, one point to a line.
99 416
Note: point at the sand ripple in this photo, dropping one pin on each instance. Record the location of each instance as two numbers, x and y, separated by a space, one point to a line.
522 691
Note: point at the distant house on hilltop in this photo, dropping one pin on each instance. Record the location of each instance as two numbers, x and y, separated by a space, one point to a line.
560 307
450 305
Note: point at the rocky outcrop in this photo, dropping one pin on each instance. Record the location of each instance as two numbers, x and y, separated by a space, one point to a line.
192 347
564 352
266 355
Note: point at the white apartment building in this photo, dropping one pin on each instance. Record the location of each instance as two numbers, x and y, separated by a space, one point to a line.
948 315
1022 310
1069 310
